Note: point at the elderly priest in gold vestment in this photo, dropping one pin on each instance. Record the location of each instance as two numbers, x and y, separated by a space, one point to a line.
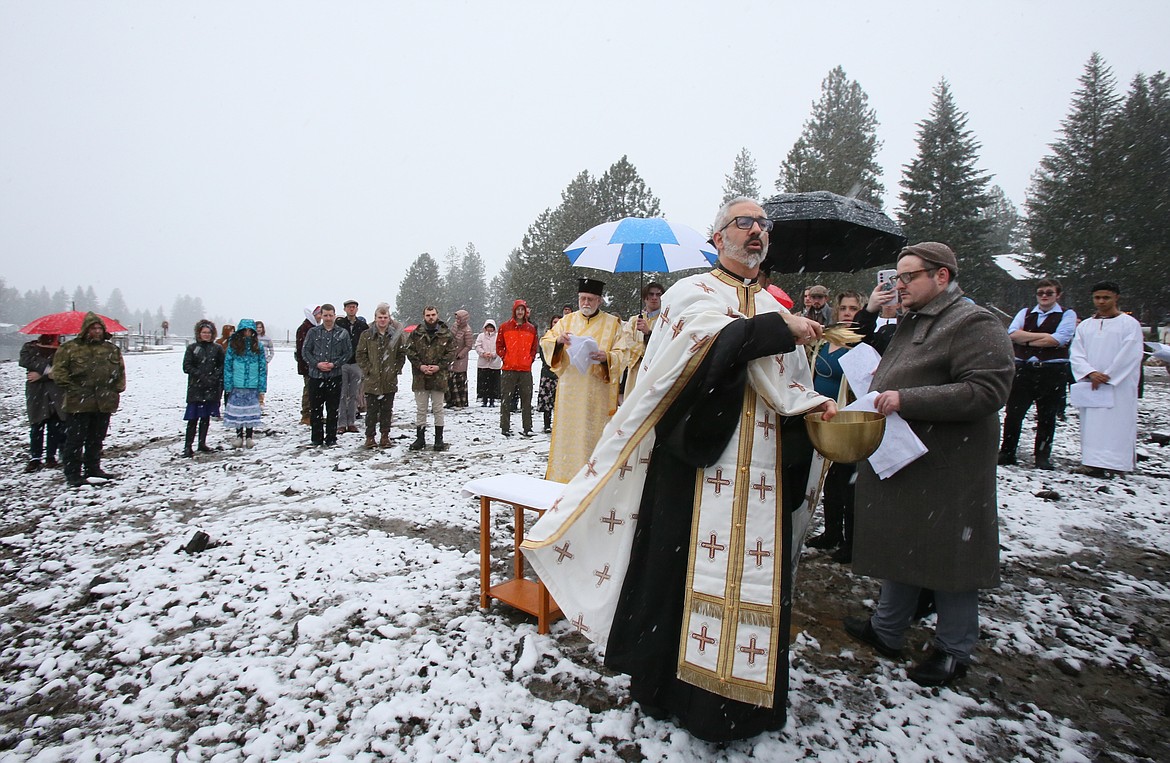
585 399
672 546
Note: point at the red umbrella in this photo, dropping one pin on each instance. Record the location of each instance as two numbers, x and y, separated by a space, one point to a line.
68 322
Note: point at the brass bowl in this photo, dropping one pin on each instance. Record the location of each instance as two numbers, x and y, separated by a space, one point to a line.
850 437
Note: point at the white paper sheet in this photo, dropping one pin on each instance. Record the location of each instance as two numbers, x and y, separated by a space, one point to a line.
858 365
1159 351
579 349
1082 395
900 446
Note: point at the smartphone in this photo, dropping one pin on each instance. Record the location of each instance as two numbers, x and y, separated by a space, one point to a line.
885 279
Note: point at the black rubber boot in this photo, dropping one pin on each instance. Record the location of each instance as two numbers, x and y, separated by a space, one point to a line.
204 423
420 439
439 439
189 440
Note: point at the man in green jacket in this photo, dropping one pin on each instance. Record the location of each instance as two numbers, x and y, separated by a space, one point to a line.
380 356
90 370
431 350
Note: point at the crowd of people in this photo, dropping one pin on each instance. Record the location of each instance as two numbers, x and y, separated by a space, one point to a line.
687 417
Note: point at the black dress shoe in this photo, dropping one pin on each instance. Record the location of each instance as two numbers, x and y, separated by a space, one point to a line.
937 669
862 630
824 540
32 466
51 463
99 473
1007 459
843 555
75 480
1045 464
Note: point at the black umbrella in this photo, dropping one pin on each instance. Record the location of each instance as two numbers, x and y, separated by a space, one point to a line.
820 231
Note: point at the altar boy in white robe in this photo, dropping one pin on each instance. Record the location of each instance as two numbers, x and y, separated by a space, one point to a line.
1107 352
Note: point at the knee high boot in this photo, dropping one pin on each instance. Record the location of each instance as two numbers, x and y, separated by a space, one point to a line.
420 438
189 439
204 423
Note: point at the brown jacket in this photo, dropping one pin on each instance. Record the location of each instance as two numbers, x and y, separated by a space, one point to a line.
934 523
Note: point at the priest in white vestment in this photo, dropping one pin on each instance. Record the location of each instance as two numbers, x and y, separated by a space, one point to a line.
1106 355
672 546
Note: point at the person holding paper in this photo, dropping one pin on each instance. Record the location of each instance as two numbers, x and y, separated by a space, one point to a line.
1040 338
586 399
1106 353
933 523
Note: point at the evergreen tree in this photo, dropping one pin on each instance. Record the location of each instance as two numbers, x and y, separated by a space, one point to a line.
92 301
160 317
1005 227
945 196
11 304
186 312
60 301
1070 204
421 286
77 301
742 180
837 151
116 306
474 285
449 285
1140 149
621 193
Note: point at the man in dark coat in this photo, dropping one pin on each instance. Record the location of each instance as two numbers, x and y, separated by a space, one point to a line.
90 370
327 348
933 524
44 401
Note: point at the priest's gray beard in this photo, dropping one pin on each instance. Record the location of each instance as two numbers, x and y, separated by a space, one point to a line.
739 254
589 312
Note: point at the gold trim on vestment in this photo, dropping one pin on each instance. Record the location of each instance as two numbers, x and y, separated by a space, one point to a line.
628 449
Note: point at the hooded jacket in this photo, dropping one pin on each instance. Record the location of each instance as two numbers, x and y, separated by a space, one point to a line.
203 364
90 371
517 343
485 348
302 331
247 369
463 341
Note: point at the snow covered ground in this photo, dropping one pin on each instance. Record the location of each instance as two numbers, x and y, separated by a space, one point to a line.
337 617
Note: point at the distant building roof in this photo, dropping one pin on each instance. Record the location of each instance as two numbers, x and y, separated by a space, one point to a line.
1014 265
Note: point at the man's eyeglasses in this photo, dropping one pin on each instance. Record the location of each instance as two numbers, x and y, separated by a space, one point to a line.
744 222
1046 292
910 275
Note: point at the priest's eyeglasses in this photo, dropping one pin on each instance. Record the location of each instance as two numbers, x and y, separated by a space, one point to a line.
1046 292
744 222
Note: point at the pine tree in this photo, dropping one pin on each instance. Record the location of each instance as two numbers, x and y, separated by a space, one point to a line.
945 196
60 300
1070 204
1005 227
11 304
837 151
77 301
742 180
116 306
621 192
421 286
92 301
1139 145
474 288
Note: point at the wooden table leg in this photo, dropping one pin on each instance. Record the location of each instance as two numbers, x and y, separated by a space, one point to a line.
485 551
518 538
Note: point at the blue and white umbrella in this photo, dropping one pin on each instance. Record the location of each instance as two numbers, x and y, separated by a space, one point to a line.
640 244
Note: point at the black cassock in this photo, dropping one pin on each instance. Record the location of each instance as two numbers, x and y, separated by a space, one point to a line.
694 432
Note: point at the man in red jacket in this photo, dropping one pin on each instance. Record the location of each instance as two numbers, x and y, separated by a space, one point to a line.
517 344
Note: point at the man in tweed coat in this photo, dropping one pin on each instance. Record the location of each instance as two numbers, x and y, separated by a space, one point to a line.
933 525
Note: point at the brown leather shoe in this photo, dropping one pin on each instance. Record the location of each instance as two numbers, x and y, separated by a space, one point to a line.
306 420
370 444
385 441
353 428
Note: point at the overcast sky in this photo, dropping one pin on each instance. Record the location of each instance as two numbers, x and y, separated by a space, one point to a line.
267 155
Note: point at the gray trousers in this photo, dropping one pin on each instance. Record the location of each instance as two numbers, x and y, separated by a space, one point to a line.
435 397
351 391
957 629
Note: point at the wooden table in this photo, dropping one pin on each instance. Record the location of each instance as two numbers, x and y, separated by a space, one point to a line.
524 493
